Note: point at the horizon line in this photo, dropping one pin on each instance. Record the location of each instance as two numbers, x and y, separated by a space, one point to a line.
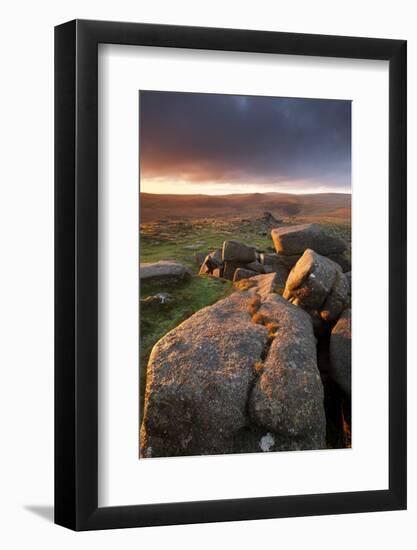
297 193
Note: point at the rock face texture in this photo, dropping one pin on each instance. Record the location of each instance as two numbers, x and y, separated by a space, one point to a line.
340 352
296 239
231 378
164 270
287 398
317 283
198 381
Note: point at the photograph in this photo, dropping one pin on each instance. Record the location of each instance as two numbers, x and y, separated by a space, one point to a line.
245 274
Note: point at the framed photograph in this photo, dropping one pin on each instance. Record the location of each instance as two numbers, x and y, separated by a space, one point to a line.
230 253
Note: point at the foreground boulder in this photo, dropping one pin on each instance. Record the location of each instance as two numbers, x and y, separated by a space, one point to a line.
317 284
288 396
198 380
295 239
341 351
164 270
203 394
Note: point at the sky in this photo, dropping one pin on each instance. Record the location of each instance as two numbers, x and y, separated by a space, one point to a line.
217 144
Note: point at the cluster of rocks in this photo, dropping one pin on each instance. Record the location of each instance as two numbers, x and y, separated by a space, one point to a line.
236 261
242 375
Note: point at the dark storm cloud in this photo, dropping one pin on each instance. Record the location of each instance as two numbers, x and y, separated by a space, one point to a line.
235 139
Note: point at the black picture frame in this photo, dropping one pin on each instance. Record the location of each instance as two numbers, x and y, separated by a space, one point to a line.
76 272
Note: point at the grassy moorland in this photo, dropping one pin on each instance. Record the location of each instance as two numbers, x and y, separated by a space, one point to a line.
180 240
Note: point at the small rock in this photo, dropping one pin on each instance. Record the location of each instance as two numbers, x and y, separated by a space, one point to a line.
242 273
230 268
267 442
234 251
211 262
164 270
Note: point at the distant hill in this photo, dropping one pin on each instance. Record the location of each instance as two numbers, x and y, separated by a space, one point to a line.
155 207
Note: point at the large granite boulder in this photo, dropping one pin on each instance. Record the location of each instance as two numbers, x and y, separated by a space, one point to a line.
198 380
287 398
234 251
295 239
341 351
201 377
164 270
